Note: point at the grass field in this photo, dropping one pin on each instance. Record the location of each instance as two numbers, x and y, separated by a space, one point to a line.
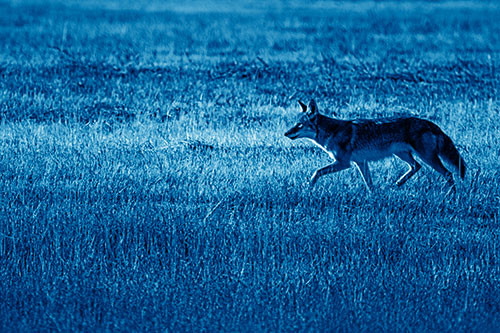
146 184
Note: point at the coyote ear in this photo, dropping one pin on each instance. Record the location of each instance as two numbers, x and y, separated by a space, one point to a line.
303 106
313 107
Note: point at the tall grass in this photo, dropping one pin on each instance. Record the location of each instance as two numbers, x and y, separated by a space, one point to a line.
145 182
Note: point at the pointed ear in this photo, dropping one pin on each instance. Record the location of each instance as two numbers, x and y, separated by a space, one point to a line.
313 107
303 106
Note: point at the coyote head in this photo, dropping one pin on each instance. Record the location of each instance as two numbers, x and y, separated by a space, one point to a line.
307 127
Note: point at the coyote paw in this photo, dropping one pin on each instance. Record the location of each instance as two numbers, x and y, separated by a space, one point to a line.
313 180
452 190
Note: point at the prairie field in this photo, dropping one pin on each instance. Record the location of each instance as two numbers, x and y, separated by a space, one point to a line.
146 183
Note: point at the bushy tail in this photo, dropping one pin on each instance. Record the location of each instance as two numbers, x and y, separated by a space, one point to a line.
449 153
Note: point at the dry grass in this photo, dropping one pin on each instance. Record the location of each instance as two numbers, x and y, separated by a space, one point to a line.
146 183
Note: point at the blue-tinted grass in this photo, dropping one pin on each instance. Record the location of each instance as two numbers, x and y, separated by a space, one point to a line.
146 183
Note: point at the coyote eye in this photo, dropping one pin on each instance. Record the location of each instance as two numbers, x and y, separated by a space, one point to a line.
300 126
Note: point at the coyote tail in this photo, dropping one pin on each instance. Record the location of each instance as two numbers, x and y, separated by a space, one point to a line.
449 153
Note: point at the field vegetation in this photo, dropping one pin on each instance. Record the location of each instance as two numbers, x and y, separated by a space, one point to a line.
146 184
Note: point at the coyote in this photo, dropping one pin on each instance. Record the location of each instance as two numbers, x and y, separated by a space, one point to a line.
364 140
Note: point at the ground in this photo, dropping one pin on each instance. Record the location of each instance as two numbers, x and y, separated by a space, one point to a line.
146 184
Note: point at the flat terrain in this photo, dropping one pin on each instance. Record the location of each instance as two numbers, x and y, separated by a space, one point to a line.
146 185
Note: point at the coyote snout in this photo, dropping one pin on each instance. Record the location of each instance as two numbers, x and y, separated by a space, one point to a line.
303 129
292 133
362 140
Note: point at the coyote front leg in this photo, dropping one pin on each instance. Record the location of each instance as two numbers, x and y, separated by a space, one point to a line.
331 168
364 170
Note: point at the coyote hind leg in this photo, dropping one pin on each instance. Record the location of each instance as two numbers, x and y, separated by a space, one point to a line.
414 167
434 161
